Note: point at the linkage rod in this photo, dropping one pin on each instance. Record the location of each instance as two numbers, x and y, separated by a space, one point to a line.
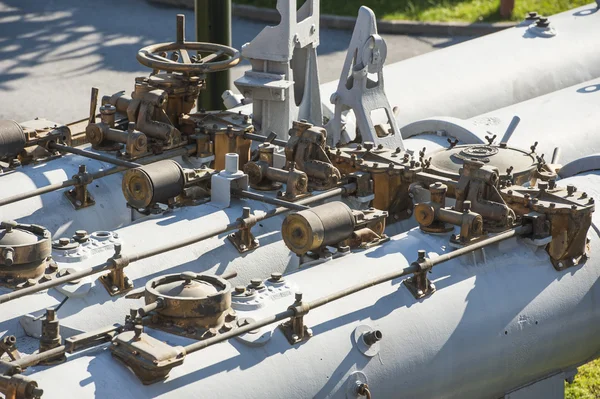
95 176
413 268
206 234
93 155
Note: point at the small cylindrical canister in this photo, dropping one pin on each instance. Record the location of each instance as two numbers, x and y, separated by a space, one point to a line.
314 228
149 184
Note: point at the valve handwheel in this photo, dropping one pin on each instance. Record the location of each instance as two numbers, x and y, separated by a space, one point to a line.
151 57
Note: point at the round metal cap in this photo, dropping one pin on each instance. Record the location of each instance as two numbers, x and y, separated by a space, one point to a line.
448 162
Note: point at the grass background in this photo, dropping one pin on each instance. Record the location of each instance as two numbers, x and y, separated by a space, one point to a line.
437 10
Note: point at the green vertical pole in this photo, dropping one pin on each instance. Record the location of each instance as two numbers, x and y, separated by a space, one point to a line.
213 25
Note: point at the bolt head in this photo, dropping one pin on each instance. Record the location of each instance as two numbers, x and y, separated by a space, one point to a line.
256 282
64 241
276 276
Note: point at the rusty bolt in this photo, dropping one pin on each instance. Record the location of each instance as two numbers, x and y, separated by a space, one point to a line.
380 146
591 201
542 22
256 282
543 186
571 189
138 329
63 241
574 207
81 233
368 145
240 289
421 253
552 205
298 297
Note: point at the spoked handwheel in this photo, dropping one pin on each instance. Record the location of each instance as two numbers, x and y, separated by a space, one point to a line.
218 57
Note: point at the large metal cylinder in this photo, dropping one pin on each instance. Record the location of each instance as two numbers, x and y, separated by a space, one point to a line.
12 139
512 306
149 184
317 227
493 71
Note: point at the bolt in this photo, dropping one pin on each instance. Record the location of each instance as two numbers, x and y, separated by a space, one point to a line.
574 207
240 289
114 289
138 329
81 233
466 206
256 282
50 314
591 201
571 189
63 241
276 276
380 146
421 253
372 337
542 22
551 184
298 297
543 186
368 145
532 15
584 195
552 205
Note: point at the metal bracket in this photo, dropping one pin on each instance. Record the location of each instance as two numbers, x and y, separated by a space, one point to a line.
284 70
79 195
8 345
418 284
294 329
243 239
358 92
116 282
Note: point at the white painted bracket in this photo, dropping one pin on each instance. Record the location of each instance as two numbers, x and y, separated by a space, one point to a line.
361 89
229 178
283 84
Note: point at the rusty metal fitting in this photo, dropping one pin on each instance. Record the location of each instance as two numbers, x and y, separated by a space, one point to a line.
418 284
243 239
372 337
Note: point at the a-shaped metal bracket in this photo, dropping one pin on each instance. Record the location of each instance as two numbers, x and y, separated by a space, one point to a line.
361 89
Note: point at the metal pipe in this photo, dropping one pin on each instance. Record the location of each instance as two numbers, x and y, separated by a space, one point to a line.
263 139
32 360
270 200
92 155
413 268
106 266
213 25
95 176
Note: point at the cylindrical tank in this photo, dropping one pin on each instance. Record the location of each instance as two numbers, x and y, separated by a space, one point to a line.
493 71
540 120
53 210
494 324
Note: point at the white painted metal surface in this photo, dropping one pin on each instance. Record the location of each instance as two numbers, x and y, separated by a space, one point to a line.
493 71
567 119
490 328
53 210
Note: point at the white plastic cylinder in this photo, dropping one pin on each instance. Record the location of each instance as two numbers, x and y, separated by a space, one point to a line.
232 162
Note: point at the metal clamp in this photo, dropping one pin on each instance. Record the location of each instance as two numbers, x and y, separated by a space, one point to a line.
418 284
294 329
243 239
116 282
79 195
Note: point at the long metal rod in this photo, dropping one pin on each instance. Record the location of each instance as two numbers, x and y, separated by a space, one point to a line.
93 155
356 288
206 234
262 139
69 183
270 200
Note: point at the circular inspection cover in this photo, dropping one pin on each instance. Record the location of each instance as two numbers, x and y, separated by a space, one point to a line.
448 162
